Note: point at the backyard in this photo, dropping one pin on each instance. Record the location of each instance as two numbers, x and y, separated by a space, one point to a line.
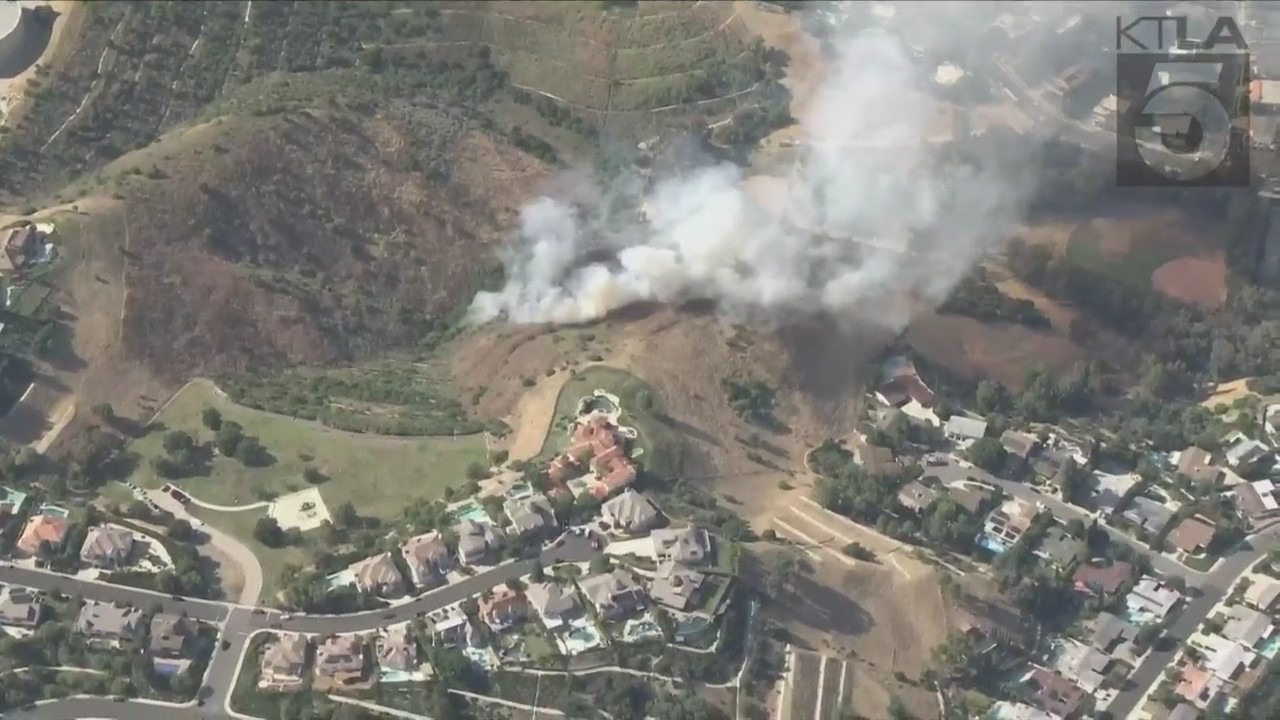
377 474
658 443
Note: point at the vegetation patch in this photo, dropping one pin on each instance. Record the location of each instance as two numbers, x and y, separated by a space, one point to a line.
377 475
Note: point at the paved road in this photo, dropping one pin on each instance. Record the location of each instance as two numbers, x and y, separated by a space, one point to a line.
239 622
1212 585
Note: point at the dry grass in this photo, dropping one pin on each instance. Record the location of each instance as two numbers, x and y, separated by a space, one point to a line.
1194 280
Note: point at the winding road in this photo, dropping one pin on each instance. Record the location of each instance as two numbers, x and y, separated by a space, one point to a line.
240 621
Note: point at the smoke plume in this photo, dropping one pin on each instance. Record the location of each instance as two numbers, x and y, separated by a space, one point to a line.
873 210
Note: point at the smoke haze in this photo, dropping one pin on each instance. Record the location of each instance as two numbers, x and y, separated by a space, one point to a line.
873 211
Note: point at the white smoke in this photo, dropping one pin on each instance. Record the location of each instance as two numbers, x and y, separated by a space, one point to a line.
869 186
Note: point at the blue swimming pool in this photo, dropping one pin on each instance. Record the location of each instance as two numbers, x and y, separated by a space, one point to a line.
992 545
1271 647
473 512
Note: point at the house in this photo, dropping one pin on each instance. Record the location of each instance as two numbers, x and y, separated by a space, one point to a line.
1112 490
1111 634
964 429
1262 593
397 650
1246 452
340 659
1055 694
1049 464
378 576
1019 446
1082 665
475 540
530 516
974 499
614 595
676 585
1230 660
687 546
1007 524
284 660
449 626
1256 500
1272 418
1197 686
1148 514
1102 580
20 607
876 460
630 513
1005 710
1247 626
1192 535
916 496
170 635
427 558
107 622
901 389
42 529
597 442
1197 466
1060 549
555 604
20 244
503 608
107 546
1152 598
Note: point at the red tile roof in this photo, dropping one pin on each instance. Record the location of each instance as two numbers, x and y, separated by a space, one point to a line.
598 439
1102 579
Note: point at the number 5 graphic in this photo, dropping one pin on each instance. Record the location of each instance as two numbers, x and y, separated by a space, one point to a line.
1177 89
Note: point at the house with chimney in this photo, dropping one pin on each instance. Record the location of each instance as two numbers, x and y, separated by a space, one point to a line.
1102 579
1191 536
284 662
476 541
615 595
901 389
687 545
378 576
42 529
555 604
108 623
595 445
107 546
428 559
20 607
171 636
630 513
397 649
1020 448
502 608
675 585
531 516
1196 465
340 661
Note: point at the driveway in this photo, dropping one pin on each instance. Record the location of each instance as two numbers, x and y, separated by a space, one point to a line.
227 545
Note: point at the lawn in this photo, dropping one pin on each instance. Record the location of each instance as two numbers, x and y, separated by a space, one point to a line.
641 409
1135 266
240 525
377 474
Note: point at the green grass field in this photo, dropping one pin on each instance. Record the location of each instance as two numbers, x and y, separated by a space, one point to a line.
661 445
377 474
1135 267
240 525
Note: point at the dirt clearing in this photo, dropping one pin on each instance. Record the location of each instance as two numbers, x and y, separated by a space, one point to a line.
1198 281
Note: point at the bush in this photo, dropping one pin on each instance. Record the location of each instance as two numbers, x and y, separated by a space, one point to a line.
499 456
476 470
314 476
858 551
267 531
228 439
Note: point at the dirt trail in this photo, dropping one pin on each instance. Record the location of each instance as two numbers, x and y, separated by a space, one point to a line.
533 417
60 417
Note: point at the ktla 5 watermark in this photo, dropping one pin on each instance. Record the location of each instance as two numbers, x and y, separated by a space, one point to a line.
1182 104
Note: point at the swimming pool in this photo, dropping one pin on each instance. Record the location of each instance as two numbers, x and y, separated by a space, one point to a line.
473 512
691 626
53 511
641 629
342 578
581 636
1271 647
992 545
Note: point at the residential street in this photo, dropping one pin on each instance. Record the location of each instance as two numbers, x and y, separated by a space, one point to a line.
240 622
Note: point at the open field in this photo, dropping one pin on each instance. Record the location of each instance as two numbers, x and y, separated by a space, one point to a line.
378 475
1001 352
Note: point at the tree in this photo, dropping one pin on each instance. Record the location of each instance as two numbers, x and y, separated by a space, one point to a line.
536 573
105 412
988 454
991 397
313 476
180 530
267 531
229 437
177 442
476 470
211 418
1074 482
345 515
251 453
